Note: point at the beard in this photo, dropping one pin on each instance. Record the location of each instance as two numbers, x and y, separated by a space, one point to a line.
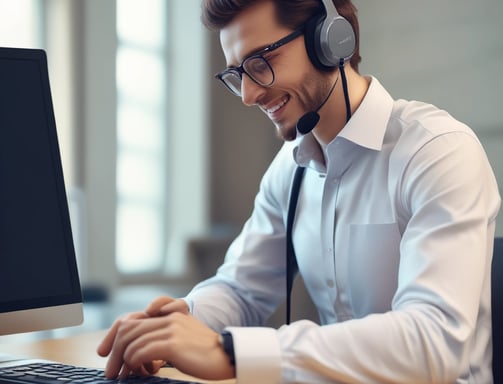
312 93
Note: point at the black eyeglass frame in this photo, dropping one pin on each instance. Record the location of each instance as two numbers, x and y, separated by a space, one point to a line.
238 71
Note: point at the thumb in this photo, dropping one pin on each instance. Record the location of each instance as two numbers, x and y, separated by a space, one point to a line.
154 308
178 305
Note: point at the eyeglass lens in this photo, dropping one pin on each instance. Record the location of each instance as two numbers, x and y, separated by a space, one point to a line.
256 67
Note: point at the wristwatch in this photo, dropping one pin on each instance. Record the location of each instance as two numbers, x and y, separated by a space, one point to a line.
227 344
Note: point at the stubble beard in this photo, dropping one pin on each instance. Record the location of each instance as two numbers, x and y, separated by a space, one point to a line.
313 91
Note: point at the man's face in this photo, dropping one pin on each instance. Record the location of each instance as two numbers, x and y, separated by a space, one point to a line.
297 88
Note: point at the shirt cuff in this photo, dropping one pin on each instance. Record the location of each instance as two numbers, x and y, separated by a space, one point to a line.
258 356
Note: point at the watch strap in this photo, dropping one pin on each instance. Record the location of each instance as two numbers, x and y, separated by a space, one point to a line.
227 344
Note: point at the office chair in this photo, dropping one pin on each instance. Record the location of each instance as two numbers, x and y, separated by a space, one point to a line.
497 309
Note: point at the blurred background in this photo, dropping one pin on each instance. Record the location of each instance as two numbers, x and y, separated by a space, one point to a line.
162 163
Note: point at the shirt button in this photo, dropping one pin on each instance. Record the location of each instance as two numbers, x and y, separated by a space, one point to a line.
330 283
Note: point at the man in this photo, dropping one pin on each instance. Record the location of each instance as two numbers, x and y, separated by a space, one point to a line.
393 230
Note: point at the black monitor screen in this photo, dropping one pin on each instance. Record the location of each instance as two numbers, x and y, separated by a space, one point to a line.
37 258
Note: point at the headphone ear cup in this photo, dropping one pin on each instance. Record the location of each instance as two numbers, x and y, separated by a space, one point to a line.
335 41
312 41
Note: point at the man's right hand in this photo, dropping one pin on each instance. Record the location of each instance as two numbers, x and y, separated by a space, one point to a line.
161 306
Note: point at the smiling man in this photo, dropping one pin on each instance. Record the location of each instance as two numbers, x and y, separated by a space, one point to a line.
392 231
281 79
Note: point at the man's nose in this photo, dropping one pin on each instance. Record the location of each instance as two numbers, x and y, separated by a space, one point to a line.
250 91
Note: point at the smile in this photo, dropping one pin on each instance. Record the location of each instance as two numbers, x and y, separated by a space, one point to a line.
278 106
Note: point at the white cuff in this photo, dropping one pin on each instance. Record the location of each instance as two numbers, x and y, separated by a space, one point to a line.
258 356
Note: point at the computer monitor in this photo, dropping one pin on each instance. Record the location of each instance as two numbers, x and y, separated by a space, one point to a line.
39 282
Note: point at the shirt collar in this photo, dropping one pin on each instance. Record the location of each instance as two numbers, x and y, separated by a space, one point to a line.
366 128
368 124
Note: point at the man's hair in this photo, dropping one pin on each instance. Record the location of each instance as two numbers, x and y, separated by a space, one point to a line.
217 14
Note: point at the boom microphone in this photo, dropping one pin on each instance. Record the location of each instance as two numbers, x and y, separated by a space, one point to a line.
309 120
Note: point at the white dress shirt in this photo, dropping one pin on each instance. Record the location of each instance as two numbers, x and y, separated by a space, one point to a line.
394 240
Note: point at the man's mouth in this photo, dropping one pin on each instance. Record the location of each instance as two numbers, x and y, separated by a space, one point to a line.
277 106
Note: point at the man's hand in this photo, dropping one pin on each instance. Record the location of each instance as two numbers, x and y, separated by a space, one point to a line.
107 343
159 307
137 343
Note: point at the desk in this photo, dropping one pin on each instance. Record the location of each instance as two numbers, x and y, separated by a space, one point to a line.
81 351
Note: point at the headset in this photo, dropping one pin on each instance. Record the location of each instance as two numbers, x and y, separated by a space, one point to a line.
330 39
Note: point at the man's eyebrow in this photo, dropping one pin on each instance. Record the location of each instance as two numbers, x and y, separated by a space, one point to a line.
249 54
257 50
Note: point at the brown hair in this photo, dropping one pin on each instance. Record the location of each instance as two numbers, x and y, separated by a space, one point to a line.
216 14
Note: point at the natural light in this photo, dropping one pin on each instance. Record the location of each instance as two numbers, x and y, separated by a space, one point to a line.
20 23
141 138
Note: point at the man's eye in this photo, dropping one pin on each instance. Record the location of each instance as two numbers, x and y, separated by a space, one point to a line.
257 66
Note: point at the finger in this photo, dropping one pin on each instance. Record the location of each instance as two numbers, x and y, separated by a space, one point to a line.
150 346
175 306
148 369
137 356
141 371
107 343
115 364
126 332
124 372
153 367
153 309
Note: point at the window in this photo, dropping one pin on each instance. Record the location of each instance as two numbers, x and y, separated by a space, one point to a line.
161 135
141 135
20 24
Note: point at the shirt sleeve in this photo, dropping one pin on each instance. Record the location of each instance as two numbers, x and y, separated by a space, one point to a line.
250 284
448 199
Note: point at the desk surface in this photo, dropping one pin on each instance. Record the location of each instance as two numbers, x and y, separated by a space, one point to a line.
81 351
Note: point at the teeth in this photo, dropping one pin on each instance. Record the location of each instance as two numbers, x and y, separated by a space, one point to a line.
276 107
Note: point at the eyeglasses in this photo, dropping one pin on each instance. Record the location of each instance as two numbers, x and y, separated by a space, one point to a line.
255 66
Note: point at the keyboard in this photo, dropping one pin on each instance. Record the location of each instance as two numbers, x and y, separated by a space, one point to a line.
54 373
